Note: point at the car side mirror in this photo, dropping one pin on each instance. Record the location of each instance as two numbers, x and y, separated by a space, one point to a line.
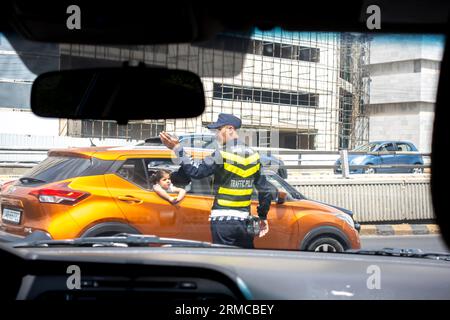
281 197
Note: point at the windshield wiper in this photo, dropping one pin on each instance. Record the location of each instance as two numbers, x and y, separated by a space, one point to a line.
400 252
121 240
26 180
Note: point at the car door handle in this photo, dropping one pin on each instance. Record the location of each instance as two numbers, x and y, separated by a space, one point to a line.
130 199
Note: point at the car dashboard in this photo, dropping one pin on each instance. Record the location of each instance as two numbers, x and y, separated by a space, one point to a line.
211 274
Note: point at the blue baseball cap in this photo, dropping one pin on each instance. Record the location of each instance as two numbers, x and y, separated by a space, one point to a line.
225 119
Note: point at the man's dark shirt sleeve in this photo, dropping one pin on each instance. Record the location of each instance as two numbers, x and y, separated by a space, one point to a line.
265 195
204 169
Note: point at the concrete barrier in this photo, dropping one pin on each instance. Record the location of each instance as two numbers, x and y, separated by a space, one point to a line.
375 198
399 230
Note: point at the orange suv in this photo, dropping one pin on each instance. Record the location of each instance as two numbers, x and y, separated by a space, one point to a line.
81 192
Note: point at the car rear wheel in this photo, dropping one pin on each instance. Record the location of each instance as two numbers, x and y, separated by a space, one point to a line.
326 244
107 234
109 229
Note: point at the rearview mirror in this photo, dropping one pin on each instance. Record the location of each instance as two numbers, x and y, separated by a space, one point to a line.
281 197
122 94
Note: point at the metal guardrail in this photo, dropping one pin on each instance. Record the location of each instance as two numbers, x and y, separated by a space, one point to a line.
9 158
345 167
302 151
380 166
17 164
23 149
21 157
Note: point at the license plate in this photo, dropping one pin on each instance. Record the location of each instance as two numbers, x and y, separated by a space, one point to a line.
10 215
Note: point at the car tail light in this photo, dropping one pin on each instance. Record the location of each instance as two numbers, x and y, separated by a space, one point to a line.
60 194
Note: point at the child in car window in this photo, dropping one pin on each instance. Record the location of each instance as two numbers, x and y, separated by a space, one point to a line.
163 186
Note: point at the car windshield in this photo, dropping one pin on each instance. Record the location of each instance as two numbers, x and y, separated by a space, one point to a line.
370 147
301 99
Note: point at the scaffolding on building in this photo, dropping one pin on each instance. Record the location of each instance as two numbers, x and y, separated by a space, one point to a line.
360 55
310 88
338 63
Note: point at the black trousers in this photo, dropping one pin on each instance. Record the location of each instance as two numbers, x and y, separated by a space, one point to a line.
231 232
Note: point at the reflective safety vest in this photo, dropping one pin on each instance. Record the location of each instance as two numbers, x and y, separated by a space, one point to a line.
235 180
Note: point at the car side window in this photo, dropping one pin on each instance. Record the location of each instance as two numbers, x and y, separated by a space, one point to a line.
403 147
387 147
204 142
186 142
198 142
212 144
152 162
134 171
279 187
209 142
152 165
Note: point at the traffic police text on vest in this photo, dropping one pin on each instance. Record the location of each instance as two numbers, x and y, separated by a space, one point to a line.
236 181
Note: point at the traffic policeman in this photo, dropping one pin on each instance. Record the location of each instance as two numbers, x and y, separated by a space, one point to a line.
236 170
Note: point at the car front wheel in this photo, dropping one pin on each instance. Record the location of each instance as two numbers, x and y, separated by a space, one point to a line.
369 170
326 244
417 170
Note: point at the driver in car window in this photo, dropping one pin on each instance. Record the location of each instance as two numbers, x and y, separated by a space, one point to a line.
236 170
